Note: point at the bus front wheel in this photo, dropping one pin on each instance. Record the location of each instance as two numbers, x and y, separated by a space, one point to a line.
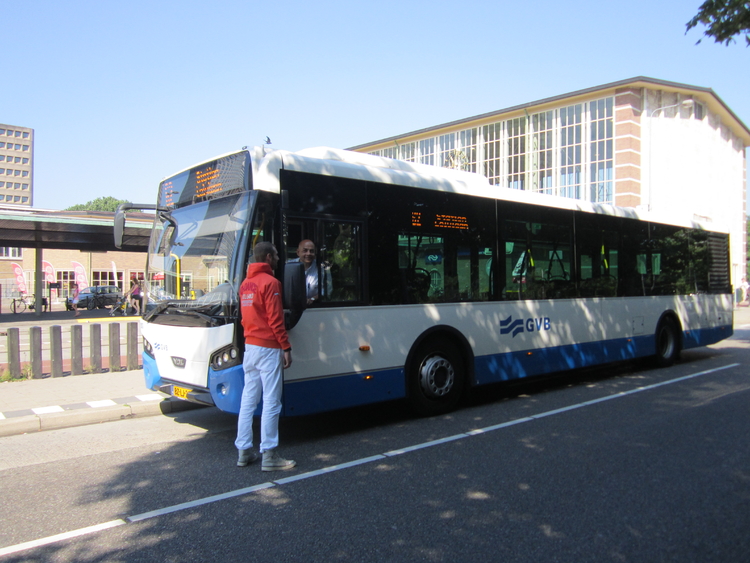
667 343
436 378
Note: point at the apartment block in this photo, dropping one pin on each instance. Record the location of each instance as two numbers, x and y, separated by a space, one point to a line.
16 165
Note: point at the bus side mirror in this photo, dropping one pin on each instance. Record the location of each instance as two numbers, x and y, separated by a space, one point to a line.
119 225
295 293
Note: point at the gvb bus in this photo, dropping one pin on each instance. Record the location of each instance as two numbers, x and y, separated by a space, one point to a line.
432 281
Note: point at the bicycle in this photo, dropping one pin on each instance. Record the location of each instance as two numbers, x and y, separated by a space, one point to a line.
96 301
18 304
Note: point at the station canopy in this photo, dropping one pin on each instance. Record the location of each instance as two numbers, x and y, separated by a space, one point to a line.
89 231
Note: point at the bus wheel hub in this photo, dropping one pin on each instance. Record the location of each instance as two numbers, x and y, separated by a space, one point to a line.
437 376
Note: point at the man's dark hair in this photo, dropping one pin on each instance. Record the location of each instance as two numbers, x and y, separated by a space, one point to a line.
261 250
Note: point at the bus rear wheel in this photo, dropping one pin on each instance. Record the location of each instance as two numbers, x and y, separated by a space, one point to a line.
667 343
436 377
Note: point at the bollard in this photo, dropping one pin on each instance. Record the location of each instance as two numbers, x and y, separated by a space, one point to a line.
95 347
35 342
132 346
55 349
76 350
14 353
114 347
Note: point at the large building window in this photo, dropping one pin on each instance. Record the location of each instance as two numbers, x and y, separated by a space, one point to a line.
458 150
427 151
570 151
406 152
517 153
466 155
601 157
446 150
493 152
542 146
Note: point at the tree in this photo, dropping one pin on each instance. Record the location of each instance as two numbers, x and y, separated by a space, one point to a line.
724 20
99 204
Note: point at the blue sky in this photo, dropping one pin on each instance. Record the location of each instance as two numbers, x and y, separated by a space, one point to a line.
123 94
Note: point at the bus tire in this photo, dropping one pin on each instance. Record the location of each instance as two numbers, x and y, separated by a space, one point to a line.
667 342
436 377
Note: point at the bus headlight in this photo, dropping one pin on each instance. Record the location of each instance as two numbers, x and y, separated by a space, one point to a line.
227 357
147 348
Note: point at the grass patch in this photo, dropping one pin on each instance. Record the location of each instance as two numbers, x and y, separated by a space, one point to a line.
25 374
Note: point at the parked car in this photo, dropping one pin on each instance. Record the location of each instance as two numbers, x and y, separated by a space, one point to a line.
99 296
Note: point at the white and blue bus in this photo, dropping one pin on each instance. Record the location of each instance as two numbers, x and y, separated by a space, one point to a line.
436 281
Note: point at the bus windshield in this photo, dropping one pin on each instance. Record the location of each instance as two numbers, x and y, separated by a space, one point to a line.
191 251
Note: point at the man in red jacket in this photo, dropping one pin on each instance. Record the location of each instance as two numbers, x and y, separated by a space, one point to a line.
267 352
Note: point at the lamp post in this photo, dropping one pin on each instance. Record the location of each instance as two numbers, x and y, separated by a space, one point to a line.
684 103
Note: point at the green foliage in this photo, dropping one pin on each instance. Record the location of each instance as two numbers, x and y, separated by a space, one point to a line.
724 19
6 377
99 204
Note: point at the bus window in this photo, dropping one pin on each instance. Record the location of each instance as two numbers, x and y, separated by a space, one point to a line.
417 253
341 262
597 268
538 261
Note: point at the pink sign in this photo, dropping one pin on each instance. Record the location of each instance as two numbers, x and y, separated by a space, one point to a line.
80 275
49 272
18 272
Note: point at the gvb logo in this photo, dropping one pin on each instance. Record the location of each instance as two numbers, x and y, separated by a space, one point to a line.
513 327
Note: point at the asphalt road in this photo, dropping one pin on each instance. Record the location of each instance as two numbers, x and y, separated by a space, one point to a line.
624 463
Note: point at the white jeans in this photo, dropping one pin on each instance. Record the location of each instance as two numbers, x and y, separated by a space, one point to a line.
263 378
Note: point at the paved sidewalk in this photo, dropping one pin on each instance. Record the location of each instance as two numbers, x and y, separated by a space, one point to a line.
75 400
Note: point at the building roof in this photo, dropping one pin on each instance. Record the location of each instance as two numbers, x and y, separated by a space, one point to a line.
705 95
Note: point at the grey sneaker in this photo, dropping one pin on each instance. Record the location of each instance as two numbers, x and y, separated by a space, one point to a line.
246 456
272 461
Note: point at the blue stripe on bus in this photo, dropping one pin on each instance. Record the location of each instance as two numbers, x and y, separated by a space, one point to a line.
706 336
527 363
329 393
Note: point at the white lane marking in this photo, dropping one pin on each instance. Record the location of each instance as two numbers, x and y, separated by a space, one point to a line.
47 410
426 444
199 502
103 403
149 397
338 467
329 469
60 537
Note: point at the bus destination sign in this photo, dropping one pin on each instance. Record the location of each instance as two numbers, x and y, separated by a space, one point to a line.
439 220
211 180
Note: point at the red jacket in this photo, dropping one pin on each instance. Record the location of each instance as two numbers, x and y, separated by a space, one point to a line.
262 308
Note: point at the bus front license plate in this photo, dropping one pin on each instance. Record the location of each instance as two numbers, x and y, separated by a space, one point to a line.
180 392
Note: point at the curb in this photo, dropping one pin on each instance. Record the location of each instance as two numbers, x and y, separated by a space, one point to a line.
82 417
